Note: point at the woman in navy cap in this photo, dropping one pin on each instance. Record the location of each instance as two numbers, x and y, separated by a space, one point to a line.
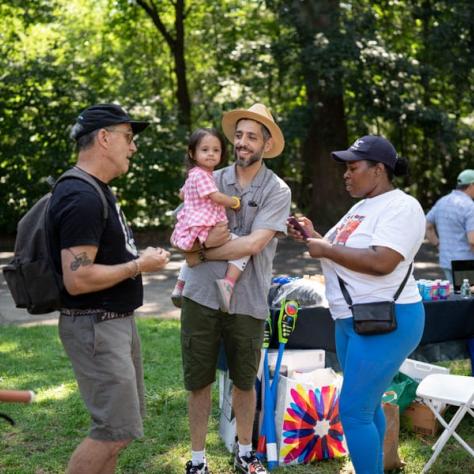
367 257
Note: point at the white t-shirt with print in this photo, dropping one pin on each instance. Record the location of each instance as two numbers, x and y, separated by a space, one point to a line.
392 219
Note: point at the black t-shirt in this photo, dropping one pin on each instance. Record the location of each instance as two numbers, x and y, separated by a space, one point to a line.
76 218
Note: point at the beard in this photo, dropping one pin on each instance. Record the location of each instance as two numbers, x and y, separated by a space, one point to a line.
245 163
257 156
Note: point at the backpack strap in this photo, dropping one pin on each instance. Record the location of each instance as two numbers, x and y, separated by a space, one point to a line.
77 173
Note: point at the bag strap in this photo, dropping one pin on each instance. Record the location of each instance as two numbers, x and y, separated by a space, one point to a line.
77 173
348 298
344 291
400 289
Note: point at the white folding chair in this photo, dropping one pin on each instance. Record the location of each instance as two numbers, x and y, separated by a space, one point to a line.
457 390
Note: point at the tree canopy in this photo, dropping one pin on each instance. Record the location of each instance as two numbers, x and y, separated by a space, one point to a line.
330 71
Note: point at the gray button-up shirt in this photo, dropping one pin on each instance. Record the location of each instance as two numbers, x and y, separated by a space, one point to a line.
265 204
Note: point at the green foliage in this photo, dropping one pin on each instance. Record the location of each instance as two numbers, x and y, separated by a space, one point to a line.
401 68
52 72
38 96
410 80
48 431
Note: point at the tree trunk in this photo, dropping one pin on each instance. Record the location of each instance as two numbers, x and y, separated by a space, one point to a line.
182 92
177 48
327 132
322 70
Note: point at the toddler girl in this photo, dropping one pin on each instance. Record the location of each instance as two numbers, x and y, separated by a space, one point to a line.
204 206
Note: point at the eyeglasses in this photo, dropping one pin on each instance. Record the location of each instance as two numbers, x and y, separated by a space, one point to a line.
129 135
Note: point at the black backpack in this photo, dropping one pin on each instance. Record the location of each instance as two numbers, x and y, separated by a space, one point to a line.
31 276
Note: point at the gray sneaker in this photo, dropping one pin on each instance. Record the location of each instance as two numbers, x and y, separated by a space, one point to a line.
199 469
249 464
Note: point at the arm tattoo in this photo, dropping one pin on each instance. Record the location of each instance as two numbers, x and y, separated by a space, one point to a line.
80 260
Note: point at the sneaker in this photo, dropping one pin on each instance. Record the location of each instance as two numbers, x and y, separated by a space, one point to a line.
249 464
224 294
177 296
199 469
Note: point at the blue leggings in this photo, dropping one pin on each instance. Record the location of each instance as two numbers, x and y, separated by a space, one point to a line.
369 364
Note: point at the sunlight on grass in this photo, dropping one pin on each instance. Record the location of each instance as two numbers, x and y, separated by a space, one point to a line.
8 346
58 392
50 430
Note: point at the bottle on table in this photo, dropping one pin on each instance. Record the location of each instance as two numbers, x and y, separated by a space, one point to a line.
465 288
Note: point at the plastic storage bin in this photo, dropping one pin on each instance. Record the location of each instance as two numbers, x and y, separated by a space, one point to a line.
419 370
303 360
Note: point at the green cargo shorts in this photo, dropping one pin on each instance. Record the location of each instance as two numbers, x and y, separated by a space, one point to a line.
203 329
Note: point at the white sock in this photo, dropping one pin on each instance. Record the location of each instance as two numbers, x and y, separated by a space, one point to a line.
198 457
244 449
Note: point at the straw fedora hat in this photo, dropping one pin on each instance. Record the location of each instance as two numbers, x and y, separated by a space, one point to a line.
261 114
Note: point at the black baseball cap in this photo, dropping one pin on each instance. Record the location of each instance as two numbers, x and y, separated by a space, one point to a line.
370 147
104 115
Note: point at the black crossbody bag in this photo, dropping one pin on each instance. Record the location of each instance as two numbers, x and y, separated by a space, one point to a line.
374 318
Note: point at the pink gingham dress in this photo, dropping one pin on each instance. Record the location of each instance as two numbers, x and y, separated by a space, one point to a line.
199 213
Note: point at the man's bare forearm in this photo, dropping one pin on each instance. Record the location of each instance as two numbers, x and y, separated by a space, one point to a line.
96 277
231 250
82 275
251 244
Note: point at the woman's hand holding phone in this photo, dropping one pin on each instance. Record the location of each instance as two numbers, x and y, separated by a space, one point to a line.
293 222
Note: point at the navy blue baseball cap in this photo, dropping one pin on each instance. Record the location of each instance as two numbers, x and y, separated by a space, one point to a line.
370 147
104 115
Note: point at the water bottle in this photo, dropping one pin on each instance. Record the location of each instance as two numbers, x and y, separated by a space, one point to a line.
465 288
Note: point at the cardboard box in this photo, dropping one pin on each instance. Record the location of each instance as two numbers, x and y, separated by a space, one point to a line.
420 419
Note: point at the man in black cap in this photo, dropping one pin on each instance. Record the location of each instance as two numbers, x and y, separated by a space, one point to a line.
101 271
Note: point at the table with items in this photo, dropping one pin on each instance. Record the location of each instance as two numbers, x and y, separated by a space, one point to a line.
449 325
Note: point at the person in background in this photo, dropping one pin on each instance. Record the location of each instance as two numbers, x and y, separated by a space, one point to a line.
265 205
450 228
371 249
450 224
101 271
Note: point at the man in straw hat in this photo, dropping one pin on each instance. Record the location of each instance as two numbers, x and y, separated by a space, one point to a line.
265 205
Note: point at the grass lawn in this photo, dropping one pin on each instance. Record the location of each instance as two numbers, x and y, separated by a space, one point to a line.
48 431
